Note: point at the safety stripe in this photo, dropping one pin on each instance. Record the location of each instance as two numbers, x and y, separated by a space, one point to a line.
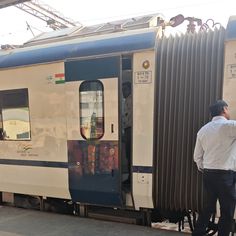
52 164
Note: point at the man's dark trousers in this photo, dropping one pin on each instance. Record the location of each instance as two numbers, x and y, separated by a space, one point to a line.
218 184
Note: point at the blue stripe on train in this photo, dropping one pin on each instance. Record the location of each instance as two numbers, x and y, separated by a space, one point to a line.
54 164
77 48
142 169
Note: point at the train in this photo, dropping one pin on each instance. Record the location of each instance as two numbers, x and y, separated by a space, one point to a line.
62 107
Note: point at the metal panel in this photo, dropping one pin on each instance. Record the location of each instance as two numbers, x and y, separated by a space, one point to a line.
107 67
229 87
189 78
230 30
142 128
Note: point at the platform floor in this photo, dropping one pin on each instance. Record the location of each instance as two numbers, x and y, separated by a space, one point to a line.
21 222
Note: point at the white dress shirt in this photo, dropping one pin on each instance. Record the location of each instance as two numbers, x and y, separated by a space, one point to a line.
216 145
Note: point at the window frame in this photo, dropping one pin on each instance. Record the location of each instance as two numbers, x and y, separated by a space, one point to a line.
21 101
80 109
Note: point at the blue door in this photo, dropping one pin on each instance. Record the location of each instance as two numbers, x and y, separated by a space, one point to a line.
93 155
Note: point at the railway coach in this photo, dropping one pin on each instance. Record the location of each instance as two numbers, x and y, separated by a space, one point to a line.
62 111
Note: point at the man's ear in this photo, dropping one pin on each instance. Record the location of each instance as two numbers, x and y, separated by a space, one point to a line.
225 113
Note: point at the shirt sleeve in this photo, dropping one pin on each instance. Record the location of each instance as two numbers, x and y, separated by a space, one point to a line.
233 129
198 154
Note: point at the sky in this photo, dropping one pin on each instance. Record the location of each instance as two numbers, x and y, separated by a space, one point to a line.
13 21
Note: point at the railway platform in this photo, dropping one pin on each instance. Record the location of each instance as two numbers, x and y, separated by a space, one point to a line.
23 222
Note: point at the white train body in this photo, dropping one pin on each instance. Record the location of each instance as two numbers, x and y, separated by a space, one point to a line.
62 108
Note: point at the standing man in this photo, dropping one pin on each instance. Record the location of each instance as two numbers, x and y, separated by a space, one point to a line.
215 156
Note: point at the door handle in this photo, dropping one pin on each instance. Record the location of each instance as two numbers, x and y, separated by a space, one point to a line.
112 128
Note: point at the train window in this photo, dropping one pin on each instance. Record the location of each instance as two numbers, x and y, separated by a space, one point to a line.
15 124
91 110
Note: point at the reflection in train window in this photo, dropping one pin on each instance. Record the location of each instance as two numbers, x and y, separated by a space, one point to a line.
91 110
15 123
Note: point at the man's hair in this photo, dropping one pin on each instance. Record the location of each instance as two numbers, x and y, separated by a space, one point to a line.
217 108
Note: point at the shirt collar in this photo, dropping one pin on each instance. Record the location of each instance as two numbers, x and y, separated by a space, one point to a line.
218 118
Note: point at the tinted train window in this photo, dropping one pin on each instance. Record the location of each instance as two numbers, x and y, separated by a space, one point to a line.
91 110
14 117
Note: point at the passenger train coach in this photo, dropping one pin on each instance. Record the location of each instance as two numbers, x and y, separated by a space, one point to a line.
62 107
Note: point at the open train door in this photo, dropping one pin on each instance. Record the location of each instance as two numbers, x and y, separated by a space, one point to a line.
93 130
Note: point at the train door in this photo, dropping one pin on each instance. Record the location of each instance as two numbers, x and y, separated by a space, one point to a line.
93 130
126 117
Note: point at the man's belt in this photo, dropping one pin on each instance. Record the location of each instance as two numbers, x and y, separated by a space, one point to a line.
217 171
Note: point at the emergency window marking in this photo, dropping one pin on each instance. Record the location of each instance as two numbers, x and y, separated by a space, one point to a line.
91 110
14 115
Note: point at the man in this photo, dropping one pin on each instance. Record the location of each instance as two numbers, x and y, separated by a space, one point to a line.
215 156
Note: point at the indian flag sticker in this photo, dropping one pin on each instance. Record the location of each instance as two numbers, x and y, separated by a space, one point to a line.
60 78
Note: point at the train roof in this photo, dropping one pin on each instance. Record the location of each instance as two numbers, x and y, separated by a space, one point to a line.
132 35
82 47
